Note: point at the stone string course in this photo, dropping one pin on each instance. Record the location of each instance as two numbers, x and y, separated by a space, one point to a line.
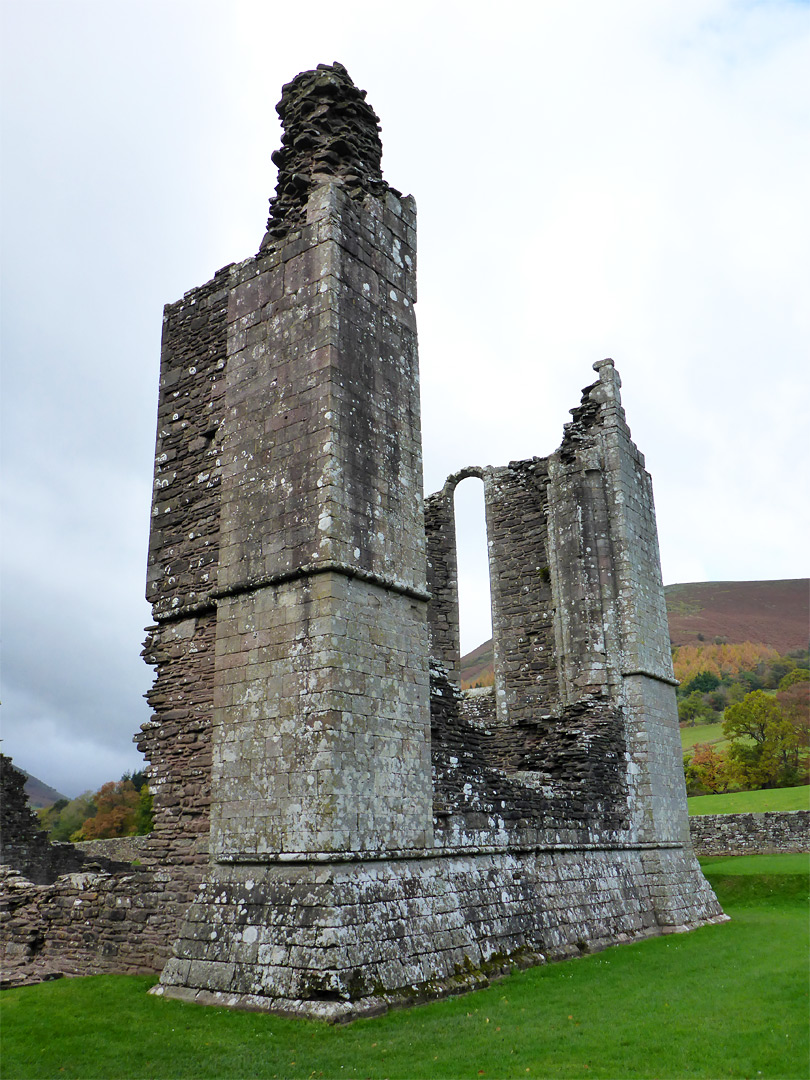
337 826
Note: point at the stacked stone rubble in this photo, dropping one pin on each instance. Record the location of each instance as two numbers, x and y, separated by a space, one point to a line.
24 847
330 134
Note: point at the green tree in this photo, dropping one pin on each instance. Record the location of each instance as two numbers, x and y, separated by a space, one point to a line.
144 820
765 749
718 699
750 680
137 778
704 681
798 675
777 670
692 708
64 818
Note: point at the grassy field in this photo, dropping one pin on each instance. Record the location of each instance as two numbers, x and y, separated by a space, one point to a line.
725 1001
751 802
702 733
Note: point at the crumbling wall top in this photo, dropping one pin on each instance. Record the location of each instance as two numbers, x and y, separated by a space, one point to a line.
601 404
330 134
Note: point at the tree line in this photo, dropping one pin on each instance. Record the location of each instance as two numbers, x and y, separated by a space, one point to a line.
119 808
762 700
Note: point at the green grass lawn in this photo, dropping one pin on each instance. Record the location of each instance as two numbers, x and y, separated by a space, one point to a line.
702 733
751 802
724 1001
764 866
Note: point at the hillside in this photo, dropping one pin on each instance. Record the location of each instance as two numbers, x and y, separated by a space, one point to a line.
477 665
39 793
775 613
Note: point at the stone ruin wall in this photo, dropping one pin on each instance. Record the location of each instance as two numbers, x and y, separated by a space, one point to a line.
329 838
786 831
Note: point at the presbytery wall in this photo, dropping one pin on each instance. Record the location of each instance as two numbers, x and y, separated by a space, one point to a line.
337 827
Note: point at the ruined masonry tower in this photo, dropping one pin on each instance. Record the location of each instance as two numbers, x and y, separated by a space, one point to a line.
375 835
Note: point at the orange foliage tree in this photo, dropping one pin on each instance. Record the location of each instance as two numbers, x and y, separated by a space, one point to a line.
706 770
720 660
116 815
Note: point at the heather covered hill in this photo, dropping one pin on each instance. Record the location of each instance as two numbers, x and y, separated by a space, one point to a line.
476 666
39 793
773 613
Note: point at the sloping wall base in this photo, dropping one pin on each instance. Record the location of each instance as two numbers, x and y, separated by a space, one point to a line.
341 940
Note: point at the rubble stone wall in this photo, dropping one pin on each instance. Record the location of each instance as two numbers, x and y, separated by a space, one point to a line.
183 540
23 845
127 849
100 918
750 834
176 740
442 581
523 608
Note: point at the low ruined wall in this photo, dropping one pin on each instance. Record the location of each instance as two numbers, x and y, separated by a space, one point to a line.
106 917
750 834
125 849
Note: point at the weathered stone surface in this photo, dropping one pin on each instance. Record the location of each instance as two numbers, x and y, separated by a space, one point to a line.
360 934
23 845
119 848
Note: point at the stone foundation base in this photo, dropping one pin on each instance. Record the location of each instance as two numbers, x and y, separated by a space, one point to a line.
341 940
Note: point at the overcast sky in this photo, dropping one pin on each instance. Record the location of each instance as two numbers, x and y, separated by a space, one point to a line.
626 178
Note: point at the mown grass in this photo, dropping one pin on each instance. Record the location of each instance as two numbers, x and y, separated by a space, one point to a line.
725 1001
751 802
702 733
796 866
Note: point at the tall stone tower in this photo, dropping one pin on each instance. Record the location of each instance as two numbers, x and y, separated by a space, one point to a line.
321 713
320 737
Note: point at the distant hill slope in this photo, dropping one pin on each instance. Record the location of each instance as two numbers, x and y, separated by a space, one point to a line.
39 793
775 613
477 664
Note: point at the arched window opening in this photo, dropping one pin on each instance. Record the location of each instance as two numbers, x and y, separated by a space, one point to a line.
474 598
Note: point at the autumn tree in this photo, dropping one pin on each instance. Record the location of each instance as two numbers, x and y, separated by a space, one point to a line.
117 805
765 750
706 770
722 660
